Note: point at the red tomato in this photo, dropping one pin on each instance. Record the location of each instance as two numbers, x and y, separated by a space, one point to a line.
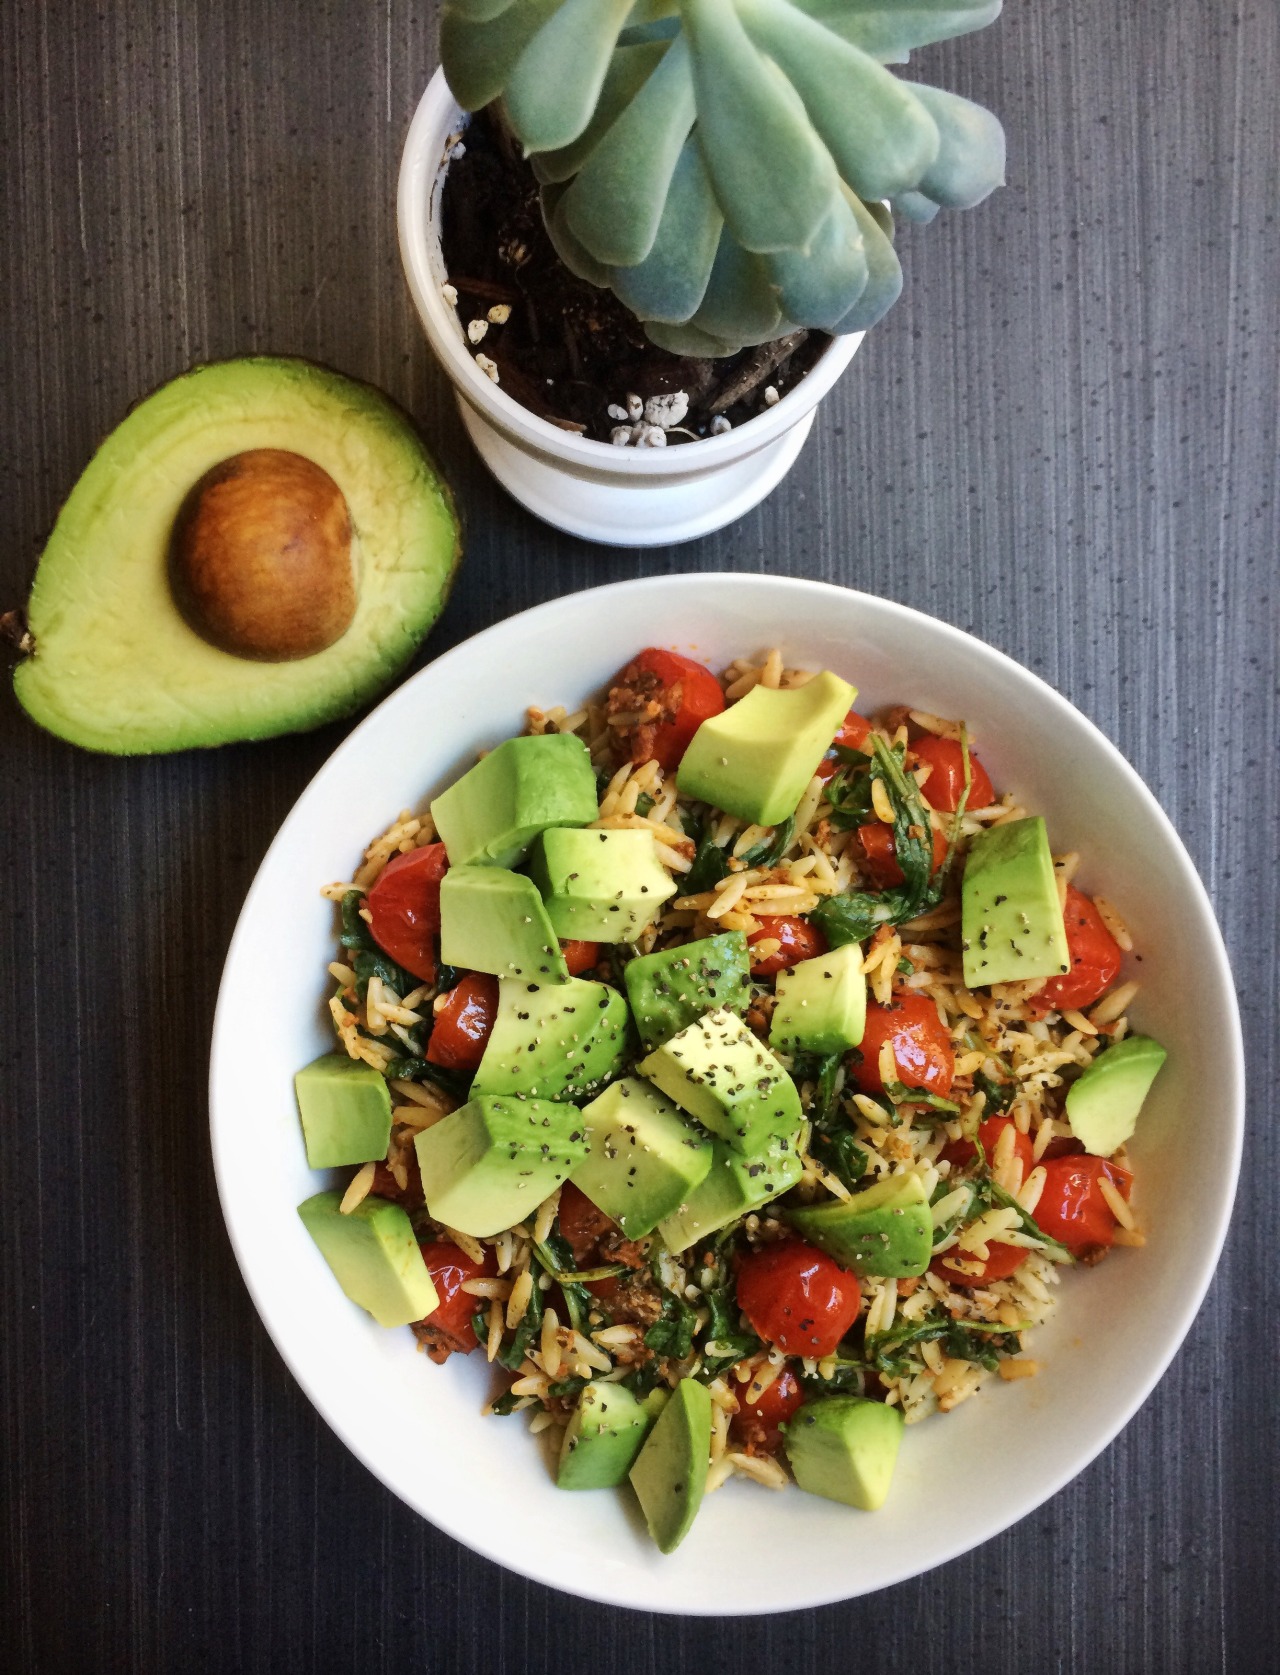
962 1153
922 1049
681 695
448 1267
797 1298
463 1024
580 956
854 732
1072 1209
1001 1261
797 939
944 785
582 1226
405 908
756 1424
1095 959
881 857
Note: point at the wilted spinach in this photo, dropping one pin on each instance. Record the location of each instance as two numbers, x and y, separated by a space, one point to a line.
886 1352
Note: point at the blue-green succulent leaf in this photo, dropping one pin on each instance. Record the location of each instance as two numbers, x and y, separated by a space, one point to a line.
552 90
614 204
480 11
688 339
884 273
970 160
629 69
891 32
818 287
672 280
741 304
914 206
567 247
479 56
773 176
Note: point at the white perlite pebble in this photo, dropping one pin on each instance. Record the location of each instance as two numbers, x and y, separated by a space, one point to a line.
635 407
450 295
719 425
488 367
459 150
770 396
621 436
666 410
476 329
650 436
616 412
500 313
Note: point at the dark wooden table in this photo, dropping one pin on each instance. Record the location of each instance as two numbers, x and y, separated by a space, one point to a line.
1063 438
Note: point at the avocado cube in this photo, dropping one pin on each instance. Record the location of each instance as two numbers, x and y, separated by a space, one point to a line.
756 758
493 920
885 1230
670 1473
674 987
374 1256
1011 918
492 814
490 1163
732 1187
1103 1104
845 1448
821 1003
717 1071
604 1434
345 1107
600 886
554 1041
643 1159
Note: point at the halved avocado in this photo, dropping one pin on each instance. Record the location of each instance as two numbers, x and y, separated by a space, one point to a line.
114 665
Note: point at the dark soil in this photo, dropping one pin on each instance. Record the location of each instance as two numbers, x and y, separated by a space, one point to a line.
568 351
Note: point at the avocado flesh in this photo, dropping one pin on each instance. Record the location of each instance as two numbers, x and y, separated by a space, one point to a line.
493 813
670 1473
643 1159
732 1187
374 1256
845 1448
822 1004
491 1162
885 1230
605 1433
493 920
116 667
554 1041
672 989
600 886
1011 918
718 1072
1104 1103
345 1107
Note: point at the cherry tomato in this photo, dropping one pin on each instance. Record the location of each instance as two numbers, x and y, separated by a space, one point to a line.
797 940
580 956
796 1297
1095 959
854 732
1002 1260
675 696
944 785
881 862
405 908
1072 1209
582 1226
962 1153
922 1050
462 1026
756 1424
448 1267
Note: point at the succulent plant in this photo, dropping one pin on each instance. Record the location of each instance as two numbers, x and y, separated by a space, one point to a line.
729 167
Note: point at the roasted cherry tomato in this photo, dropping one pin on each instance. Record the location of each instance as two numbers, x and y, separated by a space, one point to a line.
922 1049
854 732
943 788
582 1226
1002 1260
1095 959
672 696
461 1028
961 1153
448 1267
404 906
796 1297
880 856
1072 1209
797 940
580 956
756 1424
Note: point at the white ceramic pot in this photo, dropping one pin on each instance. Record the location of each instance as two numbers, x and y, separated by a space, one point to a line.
624 496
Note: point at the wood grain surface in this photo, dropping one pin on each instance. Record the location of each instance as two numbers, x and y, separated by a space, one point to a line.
1063 438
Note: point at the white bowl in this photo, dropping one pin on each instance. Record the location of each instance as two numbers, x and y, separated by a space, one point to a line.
961 1478
631 497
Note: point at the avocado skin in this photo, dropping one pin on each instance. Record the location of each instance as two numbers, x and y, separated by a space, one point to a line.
116 668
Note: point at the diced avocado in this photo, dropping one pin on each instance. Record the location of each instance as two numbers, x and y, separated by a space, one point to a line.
643 1159
1012 927
492 814
600 886
756 758
603 1437
490 1163
822 1003
374 1256
670 1473
845 1448
717 1071
885 1230
493 920
732 1187
345 1108
1103 1105
554 1041
670 989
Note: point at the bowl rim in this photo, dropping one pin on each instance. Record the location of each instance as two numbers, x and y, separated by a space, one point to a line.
1230 1073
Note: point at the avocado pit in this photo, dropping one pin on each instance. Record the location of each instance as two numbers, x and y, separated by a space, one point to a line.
261 561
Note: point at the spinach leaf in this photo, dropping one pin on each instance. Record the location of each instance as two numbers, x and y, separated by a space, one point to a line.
995 1194
901 1094
848 1378
556 1258
710 865
644 802
831 1139
480 1325
513 1353
372 962
769 851
849 790
968 1340
837 1150
672 1335
568 1386
999 1094
411 1069
355 932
